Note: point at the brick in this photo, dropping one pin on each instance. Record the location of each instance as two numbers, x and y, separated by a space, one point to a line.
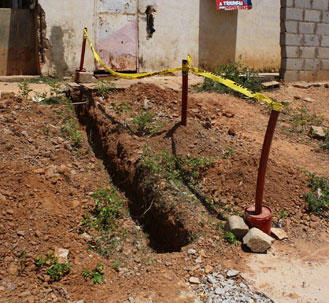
289 76
291 39
307 52
325 17
320 4
311 40
303 3
322 75
324 64
290 52
325 41
292 64
312 16
287 3
312 64
290 26
322 29
306 28
292 14
307 75
323 53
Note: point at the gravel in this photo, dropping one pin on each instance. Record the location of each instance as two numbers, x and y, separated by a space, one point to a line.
221 287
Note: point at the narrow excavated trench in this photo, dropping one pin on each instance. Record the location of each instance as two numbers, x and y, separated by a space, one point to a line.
166 233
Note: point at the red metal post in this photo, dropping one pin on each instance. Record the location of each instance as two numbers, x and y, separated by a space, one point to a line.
263 161
83 51
185 69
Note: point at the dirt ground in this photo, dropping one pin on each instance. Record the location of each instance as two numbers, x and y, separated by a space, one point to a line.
47 180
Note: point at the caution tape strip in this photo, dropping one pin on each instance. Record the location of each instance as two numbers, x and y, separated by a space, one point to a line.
229 83
124 75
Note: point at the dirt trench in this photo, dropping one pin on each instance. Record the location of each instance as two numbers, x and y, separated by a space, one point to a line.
157 208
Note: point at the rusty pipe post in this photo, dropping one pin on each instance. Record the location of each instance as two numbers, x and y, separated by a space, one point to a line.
263 161
83 51
185 69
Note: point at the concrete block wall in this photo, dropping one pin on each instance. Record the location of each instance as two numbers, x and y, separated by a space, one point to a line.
304 40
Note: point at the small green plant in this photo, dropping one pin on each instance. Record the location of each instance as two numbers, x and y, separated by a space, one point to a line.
325 144
107 210
230 238
122 107
283 214
302 120
116 265
317 200
24 89
144 124
96 275
22 261
72 131
55 270
104 88
228 152
236 72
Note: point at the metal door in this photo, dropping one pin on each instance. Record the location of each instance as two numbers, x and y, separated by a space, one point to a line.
117 34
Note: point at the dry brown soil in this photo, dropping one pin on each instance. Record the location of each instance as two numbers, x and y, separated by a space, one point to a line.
46 183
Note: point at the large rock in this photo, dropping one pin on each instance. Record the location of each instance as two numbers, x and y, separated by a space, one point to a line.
257 240
317 132
236 225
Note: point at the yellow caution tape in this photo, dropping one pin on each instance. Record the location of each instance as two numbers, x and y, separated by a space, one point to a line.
229 83
124 75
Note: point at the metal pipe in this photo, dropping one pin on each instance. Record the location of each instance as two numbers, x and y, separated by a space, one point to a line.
263 160
185 70
83 51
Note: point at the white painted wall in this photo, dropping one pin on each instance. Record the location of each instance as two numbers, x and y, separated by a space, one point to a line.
176 34
258 35
65 22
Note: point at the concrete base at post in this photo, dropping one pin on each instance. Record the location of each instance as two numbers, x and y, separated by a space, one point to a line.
84 77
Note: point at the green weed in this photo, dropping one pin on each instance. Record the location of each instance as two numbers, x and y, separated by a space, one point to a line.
317 201
96 275
122 107
55 270
228 152
325 144
72 131
24 89
145 125
22 261
236 72
230 238
283 214
104 88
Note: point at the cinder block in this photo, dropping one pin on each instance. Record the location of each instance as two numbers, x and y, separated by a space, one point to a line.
84 77
307 75
287 3
303 3
325 41
291 39
320 4
312 16
322 75
322 29
292 64
324 64
307 52
323 53
312 64
289 76
292 14
325 17
290 52
290 26
311 40
306 28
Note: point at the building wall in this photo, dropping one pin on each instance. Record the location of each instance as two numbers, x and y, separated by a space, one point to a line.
305 40
65 21
258 35
176 34
218 34
17 42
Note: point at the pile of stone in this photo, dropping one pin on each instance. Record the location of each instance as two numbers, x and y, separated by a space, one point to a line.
227 287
